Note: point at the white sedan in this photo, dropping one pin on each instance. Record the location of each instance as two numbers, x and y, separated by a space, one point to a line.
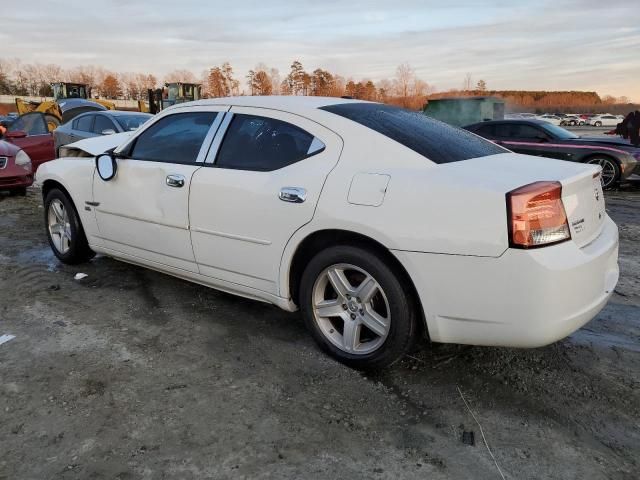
381 225
555 120
604 120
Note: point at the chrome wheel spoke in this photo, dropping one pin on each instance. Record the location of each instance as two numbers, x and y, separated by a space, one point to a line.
375 322
367 289
339 282
330 308
58 211
351 335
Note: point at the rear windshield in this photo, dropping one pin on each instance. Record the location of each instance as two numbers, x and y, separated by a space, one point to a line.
437 141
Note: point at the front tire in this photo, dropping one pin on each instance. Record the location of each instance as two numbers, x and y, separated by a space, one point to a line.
64 230
356 308
598 124
610 170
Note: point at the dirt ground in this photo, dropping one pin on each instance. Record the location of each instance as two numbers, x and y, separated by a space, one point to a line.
131 374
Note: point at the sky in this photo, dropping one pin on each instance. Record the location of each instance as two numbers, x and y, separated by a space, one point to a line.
511 44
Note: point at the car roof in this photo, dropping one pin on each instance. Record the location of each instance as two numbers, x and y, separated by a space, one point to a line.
288 103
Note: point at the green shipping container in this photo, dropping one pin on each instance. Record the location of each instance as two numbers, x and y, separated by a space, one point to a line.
461 111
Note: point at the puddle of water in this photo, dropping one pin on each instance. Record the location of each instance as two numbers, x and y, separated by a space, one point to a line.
39 255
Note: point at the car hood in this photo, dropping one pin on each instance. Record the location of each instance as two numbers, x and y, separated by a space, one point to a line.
8 149
96 145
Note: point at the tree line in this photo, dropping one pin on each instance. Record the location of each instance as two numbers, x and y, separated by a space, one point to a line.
405 88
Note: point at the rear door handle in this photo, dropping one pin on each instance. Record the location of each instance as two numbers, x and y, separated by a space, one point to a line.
293 194
176 181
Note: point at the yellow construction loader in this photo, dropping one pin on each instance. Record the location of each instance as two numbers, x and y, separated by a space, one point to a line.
56 110
173 93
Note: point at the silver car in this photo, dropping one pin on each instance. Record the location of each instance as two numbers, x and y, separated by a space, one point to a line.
93 124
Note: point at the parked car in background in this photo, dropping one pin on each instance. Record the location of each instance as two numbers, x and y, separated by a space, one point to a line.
30 132
553 119
376 222
93 124
16 172
570 120
604 120
536 137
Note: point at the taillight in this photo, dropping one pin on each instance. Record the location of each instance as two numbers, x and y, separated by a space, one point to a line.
536 215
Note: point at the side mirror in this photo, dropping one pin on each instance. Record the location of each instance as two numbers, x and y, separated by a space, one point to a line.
108 131
106 166
16 134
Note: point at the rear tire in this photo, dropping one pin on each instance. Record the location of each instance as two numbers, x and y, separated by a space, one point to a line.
372 322
64 230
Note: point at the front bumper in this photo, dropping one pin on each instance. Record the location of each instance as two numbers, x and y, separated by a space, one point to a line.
7 182
524 298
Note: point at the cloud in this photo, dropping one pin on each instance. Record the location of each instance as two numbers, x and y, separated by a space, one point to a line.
561 44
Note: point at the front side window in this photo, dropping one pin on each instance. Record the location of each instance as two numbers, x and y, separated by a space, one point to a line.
31 124
173 139
264 144
101 124
437 141
84 123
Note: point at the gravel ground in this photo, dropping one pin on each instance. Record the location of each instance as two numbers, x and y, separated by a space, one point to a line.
132 374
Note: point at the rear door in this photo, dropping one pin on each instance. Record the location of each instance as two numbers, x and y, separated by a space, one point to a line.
143 212
255 190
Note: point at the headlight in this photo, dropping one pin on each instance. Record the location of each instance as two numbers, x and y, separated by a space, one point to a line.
23 160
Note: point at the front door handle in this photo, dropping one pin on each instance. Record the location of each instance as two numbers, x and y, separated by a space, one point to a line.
293 194
176 181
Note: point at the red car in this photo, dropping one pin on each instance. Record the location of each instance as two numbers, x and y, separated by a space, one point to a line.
16 171
30 133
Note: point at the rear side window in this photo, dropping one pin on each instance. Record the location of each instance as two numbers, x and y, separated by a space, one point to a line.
264 144
174 139
31 124
101 124
437 141
84 124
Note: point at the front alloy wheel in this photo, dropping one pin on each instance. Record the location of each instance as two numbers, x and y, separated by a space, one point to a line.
610 170
64 229
59 226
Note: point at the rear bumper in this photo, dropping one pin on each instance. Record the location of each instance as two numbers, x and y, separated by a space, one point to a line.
524 298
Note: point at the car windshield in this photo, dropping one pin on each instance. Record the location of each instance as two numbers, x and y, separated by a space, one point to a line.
435 140
131 122
559 132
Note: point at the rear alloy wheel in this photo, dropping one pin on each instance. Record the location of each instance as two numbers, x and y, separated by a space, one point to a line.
356 308
64 230
610 171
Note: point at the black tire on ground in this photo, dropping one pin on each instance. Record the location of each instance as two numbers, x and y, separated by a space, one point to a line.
18 192
404 327
598 124
610 165
79 251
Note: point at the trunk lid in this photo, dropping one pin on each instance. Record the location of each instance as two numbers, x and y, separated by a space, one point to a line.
584 204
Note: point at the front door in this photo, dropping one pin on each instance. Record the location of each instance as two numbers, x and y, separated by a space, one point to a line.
38 142
143 212
260 186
